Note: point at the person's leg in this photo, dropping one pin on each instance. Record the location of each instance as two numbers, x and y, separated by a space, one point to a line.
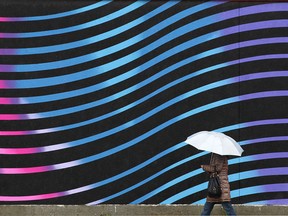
228 208
207 208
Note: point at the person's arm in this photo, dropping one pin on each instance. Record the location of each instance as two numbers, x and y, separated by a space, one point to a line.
208 168
214 168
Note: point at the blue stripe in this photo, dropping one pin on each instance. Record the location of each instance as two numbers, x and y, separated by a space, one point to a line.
202 186
127 91
118 62
92 56
151 132
63 14
158 27
124 44
120 78
115 80
90 24
96 71
235 193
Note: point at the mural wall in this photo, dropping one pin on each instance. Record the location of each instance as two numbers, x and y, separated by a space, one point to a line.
97 98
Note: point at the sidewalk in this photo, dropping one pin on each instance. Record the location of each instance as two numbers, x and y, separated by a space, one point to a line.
133 210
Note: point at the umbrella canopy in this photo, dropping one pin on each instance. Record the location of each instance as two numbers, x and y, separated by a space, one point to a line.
215 142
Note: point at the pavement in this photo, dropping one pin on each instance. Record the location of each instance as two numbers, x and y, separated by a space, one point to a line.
133 210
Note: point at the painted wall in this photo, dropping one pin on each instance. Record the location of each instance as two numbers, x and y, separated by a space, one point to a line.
97 98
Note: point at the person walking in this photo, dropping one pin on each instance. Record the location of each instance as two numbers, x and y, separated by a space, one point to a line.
219 164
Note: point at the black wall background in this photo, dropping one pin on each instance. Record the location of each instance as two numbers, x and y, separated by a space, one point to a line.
97 98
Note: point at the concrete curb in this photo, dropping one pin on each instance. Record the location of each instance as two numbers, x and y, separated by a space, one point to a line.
132 210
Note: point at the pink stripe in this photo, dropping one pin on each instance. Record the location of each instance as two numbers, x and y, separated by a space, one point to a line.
9 19
4 100
33 197
24 170
9 100
11 116
13 133
19 150
4 19
3 84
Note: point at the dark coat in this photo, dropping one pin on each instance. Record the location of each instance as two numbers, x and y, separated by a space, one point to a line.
220 164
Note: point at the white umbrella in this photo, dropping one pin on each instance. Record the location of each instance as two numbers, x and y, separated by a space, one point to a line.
215 142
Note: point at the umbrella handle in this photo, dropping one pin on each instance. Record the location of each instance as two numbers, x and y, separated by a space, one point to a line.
211 158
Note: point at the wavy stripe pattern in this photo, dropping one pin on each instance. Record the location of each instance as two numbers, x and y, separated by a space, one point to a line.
97 98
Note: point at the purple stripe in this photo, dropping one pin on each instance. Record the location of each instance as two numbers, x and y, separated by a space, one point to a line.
255 9
272 202
256 42
8 51
6 68
263 25
263 95
267 122
275 188
263 41
255 26
267 156
273 171
265 139
256 58
263 75
274 7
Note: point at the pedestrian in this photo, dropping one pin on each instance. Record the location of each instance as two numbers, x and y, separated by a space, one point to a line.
219 164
